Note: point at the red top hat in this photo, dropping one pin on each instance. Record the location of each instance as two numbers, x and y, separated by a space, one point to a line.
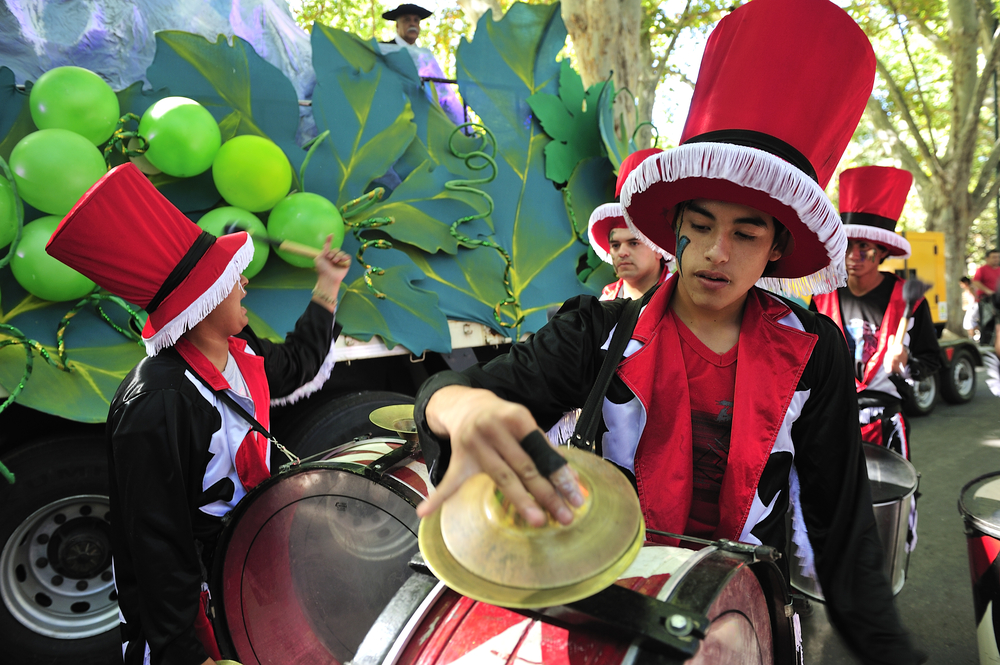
781 88
628 165
605 218
125 236
871 200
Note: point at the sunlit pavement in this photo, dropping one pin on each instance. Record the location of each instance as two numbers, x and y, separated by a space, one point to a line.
950 447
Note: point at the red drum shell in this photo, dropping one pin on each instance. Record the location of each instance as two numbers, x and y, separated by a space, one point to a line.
311 556
745 602
979 504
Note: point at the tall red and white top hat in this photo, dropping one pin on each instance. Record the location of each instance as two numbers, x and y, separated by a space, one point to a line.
871 200
610 216
782 86
125 236
603 220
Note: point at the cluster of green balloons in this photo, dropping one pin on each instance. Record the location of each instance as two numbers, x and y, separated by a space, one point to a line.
75 111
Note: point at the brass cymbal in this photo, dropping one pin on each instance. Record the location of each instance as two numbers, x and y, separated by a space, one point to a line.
395 418
480 546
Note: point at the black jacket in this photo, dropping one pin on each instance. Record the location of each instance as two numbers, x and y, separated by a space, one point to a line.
159 428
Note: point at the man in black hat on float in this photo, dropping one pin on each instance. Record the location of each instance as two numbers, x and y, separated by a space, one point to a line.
407 17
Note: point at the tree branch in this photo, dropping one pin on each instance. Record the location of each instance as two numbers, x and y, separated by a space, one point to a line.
983 201
904 110
916 78
660 68
896 145
970 124
989 169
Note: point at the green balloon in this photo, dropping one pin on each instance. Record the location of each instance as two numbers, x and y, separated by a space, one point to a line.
76 99
53 168
308 219
183 136
252 173
215 221
40 274
8 213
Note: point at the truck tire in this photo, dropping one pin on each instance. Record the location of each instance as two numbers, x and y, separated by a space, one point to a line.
924 397
59 601
958 381
339 420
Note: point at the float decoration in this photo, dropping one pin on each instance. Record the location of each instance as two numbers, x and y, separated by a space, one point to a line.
570 119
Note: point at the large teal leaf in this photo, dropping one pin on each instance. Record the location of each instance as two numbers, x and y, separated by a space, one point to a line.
508 62
571 120
362 103
15 117
98 357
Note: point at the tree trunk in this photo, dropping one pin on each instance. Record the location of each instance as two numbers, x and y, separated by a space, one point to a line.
607 38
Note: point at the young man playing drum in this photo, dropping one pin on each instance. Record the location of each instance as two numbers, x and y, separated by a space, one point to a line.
732 406
183 426
869 309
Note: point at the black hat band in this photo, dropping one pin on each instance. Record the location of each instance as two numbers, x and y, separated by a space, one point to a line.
869 219
183 268
761 141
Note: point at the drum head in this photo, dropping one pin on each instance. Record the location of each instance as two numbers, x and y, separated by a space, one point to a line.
892 476
979 504
308 564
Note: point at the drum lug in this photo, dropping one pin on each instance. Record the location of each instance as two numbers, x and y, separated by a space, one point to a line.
789 611
393 458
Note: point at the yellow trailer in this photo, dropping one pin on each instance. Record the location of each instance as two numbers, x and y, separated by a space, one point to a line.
926 263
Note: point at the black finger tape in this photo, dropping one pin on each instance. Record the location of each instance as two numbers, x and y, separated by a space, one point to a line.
545 457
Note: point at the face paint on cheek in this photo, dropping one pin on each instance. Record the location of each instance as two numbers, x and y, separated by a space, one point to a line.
682 244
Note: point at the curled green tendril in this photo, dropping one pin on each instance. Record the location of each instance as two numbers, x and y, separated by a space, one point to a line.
120 137
362 203
312 145
655 132
378 243
478 160
19 211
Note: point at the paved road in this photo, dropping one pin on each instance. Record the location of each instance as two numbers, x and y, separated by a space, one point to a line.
950 447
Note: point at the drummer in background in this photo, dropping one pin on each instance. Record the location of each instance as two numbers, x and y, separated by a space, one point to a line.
733 405
180 455
868 310
638 266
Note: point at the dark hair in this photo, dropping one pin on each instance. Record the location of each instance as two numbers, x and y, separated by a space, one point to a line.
992 251
781 237
965 280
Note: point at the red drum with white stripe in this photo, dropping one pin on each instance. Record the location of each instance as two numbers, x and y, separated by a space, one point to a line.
745 602
312 555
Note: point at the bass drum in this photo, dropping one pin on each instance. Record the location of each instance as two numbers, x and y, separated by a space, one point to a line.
979 504
311 556
429 624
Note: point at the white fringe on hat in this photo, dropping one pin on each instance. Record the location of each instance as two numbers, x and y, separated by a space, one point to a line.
608 211
168 335
317 382
879 236
602 212
760 170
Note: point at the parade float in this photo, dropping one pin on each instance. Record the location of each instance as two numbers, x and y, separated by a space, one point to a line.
464 237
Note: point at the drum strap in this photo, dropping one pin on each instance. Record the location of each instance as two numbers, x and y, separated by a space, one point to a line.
293 460
585 434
